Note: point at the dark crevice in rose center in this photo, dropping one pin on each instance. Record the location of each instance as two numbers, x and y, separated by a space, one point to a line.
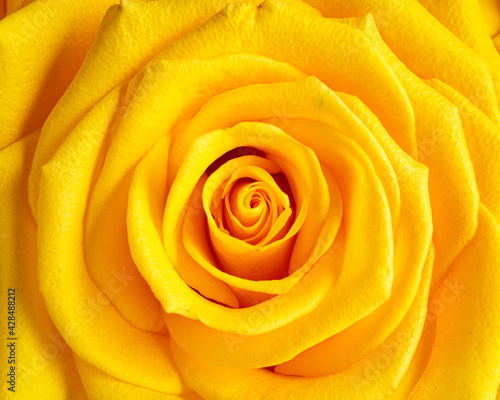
208 298
235 153
283 184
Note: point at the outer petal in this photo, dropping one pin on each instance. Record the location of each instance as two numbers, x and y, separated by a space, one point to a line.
491 14
339 56
369 379
101 386
42 46
465 19
44 365
465 360
419 360
10 6
130 36
76 305
443 149
425 46
483 142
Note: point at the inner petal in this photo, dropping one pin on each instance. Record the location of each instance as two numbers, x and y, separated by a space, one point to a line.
248 213
186 216
244 202
252 207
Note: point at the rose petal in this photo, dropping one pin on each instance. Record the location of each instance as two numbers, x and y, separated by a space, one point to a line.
375 377
240 258
72 298
442 148
412 240
465 359
44 363
277 103
496 42
491 14
424 46
367 232
251 292
10 6
43 45
174 294
101 386
130 35
465 19
341 57
419 359
145 110
483 143
146 206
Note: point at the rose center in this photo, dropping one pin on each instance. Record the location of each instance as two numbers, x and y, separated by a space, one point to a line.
252 207
253 211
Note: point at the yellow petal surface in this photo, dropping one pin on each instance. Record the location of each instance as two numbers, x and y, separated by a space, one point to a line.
254 205
491 14
412 239
419 359
72 298
239 257
276 104
302 170
198 247
100 386
166 81
107 246
42 45
466 20
146 205
42 361
425 46
496 42
129 37
374 377
443 149
465 360
339 56
349 346
483 142
10 6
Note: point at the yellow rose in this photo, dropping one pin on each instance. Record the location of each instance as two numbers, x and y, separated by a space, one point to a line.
251 200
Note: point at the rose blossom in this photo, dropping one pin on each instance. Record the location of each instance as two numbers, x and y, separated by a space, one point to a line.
251 200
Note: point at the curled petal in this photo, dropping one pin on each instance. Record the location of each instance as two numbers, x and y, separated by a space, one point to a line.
76 305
